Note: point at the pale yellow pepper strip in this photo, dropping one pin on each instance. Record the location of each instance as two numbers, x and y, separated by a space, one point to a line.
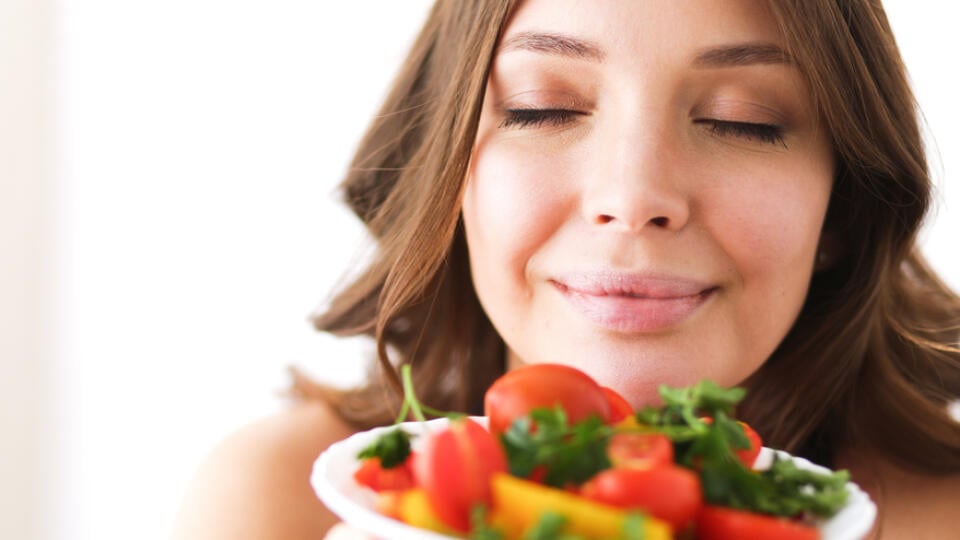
518 504
414 509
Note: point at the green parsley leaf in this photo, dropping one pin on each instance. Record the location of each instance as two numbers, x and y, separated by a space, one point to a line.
392 448
548 527
684 406
633 526
568 454
801 490
782 490
479 528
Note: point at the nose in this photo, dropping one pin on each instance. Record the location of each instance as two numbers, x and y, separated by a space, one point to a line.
633 181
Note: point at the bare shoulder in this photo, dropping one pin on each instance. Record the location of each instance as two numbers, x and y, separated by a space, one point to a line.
911 505
256 483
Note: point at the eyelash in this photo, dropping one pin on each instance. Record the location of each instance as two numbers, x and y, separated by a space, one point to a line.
765 133
524 118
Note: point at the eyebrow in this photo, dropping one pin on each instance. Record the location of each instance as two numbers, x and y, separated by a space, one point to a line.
743 54
551 43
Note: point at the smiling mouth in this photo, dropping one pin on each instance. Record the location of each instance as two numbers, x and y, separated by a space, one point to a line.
634 304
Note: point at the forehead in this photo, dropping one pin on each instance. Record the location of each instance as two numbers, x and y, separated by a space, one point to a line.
645 30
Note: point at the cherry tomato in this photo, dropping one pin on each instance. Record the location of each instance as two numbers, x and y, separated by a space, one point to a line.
620 408
746 455
454 468
717 523
640 450
669 493
533 386
749 455
538 474
375 477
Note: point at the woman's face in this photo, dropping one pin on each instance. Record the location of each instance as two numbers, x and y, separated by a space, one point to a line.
647 190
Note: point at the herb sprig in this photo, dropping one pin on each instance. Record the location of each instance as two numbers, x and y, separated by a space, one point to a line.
708 446
393 447
569 454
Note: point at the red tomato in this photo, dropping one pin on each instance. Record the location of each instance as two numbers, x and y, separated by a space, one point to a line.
749 455
375 477
620 408
533 386
454 468
717 523
670 492
746 455
538 474
640 450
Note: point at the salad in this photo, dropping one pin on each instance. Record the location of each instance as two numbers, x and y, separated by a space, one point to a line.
562 457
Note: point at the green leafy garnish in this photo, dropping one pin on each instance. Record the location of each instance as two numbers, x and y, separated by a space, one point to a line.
392 448
548 527
567 454
633 526
821 494
782 490
680 415
479 528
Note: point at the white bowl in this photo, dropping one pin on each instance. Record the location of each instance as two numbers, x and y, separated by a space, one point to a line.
332 479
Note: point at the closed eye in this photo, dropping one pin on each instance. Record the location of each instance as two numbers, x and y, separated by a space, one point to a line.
764 133
526 118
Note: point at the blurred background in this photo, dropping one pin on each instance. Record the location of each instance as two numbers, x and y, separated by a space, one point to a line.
168 222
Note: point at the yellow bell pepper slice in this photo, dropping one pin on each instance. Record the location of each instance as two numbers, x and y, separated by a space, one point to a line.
518 504
413 508
630 424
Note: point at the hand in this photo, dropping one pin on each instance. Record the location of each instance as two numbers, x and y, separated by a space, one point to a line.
342 531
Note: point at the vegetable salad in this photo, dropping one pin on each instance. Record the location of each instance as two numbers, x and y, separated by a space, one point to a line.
565 458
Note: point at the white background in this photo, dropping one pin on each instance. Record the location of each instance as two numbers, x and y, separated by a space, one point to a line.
168 222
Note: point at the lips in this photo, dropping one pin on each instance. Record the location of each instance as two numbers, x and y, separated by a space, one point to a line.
633 303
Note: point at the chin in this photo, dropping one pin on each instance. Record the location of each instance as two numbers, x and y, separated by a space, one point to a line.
635 378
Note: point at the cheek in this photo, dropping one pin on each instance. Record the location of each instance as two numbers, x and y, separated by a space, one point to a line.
768 224
792 219
768 227
513 203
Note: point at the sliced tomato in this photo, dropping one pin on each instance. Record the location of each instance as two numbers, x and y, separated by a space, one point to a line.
516 393
640 450
669 493
718 523
372 474
454 468
620 408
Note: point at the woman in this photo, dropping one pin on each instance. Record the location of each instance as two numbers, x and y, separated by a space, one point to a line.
652 192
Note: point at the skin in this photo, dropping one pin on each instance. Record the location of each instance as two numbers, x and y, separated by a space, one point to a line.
634 182
638 182
256 484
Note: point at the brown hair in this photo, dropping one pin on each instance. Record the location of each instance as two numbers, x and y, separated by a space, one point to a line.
872 359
